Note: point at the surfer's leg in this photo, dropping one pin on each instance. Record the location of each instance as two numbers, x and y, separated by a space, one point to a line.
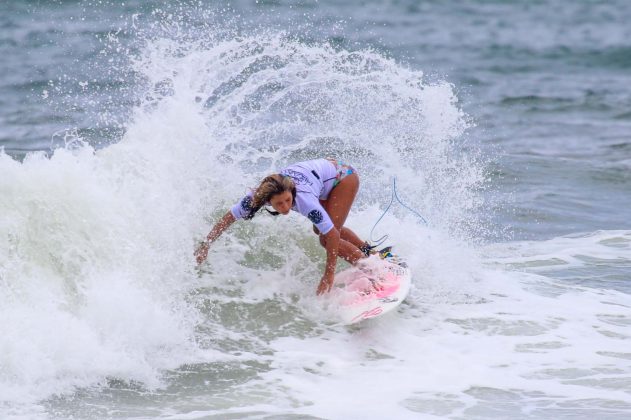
346 250
346 247
338 205
350 236
345 233
340 200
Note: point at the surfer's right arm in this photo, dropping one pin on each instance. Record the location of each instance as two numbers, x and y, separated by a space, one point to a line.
219 228
241 210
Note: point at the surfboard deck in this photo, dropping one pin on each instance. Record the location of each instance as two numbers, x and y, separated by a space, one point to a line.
373 288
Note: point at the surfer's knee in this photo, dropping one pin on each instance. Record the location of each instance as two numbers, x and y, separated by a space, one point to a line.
323 240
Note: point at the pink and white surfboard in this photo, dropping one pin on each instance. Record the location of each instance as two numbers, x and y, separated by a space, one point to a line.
376 287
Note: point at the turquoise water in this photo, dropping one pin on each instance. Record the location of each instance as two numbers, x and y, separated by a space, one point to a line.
507 125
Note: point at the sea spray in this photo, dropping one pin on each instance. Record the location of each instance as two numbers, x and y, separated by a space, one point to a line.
98 275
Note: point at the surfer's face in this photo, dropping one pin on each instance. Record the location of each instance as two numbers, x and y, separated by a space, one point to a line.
282 202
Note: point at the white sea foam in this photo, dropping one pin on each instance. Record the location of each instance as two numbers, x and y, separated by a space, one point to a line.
98 279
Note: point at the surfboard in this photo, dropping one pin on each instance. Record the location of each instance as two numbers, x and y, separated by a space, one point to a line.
374 287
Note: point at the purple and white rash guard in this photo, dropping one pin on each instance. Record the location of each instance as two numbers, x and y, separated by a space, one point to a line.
314 181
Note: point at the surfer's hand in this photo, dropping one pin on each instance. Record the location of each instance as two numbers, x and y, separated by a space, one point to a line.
202 252
325 284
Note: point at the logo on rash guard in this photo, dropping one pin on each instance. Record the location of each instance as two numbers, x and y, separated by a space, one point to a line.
299 178
246 204
315 216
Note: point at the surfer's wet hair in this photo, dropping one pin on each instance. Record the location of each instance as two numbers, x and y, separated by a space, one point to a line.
270 186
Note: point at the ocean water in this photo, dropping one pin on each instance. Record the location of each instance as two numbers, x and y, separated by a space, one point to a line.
128 128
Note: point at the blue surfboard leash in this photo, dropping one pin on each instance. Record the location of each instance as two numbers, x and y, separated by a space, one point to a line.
394 196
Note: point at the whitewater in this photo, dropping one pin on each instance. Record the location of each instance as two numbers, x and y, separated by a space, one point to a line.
106 315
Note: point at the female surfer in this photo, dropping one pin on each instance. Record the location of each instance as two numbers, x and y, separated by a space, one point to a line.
322 190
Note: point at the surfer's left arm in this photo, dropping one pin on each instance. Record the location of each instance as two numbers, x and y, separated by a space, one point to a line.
332 238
